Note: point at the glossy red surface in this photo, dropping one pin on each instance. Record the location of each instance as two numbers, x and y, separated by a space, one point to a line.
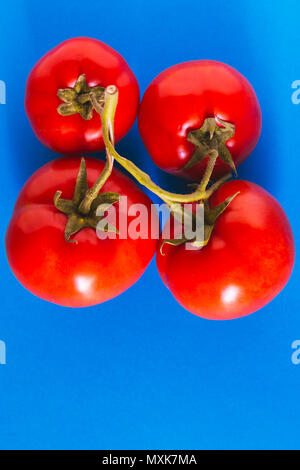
246 263
181 97
60 68
69 274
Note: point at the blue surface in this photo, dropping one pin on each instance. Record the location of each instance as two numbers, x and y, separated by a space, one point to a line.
139 372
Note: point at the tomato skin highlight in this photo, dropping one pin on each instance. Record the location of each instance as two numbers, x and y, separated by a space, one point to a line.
59 69
70 274
180 98
246 263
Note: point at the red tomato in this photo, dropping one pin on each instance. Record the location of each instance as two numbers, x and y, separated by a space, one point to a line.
247 261
74 275
60 68
178 101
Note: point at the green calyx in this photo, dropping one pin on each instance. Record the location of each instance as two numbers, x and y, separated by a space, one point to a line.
209 138
79 99
210 216
82 209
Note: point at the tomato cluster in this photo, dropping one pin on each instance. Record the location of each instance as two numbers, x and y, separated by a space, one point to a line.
200 120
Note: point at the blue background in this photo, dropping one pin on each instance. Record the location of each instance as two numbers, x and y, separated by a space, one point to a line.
139 372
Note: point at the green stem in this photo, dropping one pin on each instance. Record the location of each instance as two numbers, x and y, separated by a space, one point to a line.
213 155
142 177
106 114
217 184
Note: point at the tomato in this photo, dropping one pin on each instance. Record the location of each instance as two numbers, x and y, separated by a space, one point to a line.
60 69
181 99
79 274
246 263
